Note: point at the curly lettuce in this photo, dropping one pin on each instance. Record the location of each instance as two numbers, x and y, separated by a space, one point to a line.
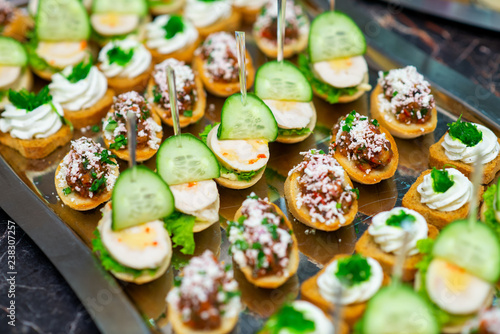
489 214
293 132
180 228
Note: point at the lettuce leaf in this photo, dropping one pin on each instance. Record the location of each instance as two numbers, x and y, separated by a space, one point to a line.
36 61
203 135
241 176
110 264
180 228
293 132
489 214
332 93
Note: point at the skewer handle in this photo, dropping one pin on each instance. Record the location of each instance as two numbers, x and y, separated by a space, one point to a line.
240 46
281 28
174 106
132 139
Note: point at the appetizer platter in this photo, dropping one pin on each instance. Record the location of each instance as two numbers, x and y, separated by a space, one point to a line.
339 174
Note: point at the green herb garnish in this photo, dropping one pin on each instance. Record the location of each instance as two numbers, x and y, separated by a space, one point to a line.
348 121
290 320
180 228
241 245
174 26
400 220
112 125
28 100
105 157
441 180
67 191
187 113
95 128
375 122
98 183
353 270
120 141
119 56
157 94
80 71
466 132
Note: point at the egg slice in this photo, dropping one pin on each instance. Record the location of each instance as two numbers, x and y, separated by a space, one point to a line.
199 199
9 75
290 114
455 290
144 246
342 72
241 155
112 24
62 54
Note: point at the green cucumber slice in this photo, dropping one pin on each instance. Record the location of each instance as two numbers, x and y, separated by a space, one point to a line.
398 309
140 196
282 81
253 120
12 53
139 7
335 35
58 20
475 248
186 159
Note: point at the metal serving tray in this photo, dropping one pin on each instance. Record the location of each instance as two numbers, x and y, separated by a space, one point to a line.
28 195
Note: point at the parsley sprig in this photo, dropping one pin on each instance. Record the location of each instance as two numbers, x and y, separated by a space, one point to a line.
441 180
466 132
353 270
349 121
120 141
174 26
29 100
79 72
119 56
290 320
98 182
106 157
400 220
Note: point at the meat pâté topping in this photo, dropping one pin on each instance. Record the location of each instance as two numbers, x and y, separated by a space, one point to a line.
220 55
87 169
6 12
266 24
205 293
406 94
360 140
184 83
323 188
260 238
115 123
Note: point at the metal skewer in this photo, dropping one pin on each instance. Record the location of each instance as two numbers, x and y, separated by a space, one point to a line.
174 107
477 177
240 46
281 28
132 140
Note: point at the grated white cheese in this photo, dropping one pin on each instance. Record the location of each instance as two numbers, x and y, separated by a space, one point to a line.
184 75
221 59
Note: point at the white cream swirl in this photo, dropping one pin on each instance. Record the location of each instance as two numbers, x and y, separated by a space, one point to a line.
488 148
42 122
156 36
452 199
140 62
203 14
391 238
80 95
252 4
328 284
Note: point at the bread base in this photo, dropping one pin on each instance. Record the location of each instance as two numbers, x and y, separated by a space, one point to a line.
302 214
274 281
38 148
367 247
270 49
239 184
438 158
375 175
350 313
396 128
167 8
230 23
92 115
412 200
185 54
142 154
123 85
24 81
296 139
248 15
344 98
222 89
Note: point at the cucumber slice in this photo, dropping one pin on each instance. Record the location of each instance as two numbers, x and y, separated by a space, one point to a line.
474 248
282 82
253 120
186 159
58 20
335 35
139 7
398 309
140 196
12 53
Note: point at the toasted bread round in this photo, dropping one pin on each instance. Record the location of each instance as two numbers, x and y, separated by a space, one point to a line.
92 115
367 247
18 26
122 85
24 81
230 23
270 48
375 175
248 15
38 148
235 184
396 128
274 281
198 110
292 190
142 154
345 98
296 139
167 7
438 158
350 313
222 89
412 200
185 54
77 202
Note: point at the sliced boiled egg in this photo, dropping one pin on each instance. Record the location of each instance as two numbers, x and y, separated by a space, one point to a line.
290 114
9 75
342 72
241 155
112 24
139 247
199 199
455 290
62 54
